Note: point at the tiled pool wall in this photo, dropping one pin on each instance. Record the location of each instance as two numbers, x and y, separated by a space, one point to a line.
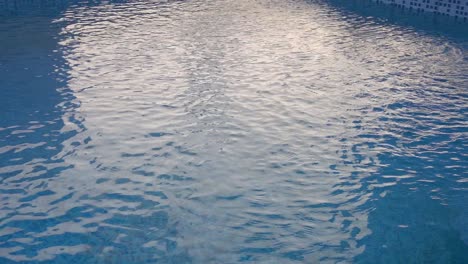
453 8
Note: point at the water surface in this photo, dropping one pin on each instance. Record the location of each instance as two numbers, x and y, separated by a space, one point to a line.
216 131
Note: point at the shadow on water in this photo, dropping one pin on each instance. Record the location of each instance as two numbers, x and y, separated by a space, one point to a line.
33 88
45 216
35 107
44 8
417 210
424 22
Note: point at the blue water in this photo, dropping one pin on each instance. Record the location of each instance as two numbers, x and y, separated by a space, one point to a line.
217 131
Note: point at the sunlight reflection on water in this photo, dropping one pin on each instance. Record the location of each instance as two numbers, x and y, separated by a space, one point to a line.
226 131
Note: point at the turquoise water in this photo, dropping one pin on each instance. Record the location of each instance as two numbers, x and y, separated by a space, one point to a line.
216 131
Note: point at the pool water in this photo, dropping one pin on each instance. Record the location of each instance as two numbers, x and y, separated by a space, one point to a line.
217 131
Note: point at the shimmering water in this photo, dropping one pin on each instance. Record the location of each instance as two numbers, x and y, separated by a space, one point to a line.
217 131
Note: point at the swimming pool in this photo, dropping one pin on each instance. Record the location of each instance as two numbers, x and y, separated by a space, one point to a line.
216 131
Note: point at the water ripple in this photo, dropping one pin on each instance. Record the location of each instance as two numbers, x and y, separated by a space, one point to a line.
230 131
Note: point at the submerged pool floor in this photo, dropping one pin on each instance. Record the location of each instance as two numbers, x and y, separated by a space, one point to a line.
216 131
